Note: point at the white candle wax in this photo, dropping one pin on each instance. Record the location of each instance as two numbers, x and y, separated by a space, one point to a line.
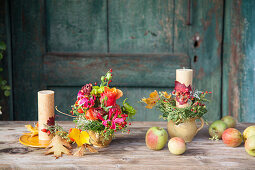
45 112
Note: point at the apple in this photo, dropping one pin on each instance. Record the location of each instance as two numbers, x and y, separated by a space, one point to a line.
177 146
217 128
249 131
230 121
156 138
250 145
232 137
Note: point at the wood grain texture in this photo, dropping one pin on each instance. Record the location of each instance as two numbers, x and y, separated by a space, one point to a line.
205 40
141 26
125 152
239 61
137 70
75 25
28 47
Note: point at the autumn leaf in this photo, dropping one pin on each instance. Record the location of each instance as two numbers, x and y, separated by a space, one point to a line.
91 149
33 130
58 146
152 100
80 137
81 151
166 95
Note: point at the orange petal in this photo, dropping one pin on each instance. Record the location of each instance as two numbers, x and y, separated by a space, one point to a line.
154 95
119 94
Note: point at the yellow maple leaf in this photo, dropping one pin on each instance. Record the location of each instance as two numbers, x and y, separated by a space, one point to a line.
166 95
80 137
33 130
57 146
152 100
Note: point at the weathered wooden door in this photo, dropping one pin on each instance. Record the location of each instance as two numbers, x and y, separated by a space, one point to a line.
62 45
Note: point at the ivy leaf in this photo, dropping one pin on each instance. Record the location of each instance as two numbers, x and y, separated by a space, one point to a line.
58 146
1 56
2 46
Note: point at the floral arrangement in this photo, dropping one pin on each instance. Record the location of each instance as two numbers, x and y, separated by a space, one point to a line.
96 108
166 103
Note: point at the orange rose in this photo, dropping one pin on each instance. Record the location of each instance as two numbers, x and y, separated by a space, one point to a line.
89 114
112 95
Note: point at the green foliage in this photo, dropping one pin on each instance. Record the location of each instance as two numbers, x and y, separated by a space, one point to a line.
96 126
197 108
3 83
58 130
127 109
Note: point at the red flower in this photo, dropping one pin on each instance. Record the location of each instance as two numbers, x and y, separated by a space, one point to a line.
110 96
89 114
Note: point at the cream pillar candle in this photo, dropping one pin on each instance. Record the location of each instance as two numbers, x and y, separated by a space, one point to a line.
184 76
45 112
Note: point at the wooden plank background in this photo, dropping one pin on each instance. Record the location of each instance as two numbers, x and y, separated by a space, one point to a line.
239 61
56 45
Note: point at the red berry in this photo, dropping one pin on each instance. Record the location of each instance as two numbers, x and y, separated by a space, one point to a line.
71 139
48 132
206 92
110 70
110 81
129 123
44 130
105 131
95 83
80 111
192 110
202 92
210 92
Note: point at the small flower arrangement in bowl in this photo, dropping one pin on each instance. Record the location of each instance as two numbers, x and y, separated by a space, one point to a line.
98 113
181 120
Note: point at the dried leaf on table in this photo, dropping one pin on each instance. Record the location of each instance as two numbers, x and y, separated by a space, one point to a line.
33 130
80 151
91 148
58 146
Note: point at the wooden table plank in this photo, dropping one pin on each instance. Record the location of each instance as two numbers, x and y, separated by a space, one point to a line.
125 151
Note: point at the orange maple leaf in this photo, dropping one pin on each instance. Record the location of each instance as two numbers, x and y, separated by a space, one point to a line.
152 100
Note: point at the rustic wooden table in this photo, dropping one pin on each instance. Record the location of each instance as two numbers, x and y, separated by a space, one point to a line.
125 151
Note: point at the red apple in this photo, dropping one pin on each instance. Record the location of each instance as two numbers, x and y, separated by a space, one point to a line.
232 137
250 145
177 146
156 138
